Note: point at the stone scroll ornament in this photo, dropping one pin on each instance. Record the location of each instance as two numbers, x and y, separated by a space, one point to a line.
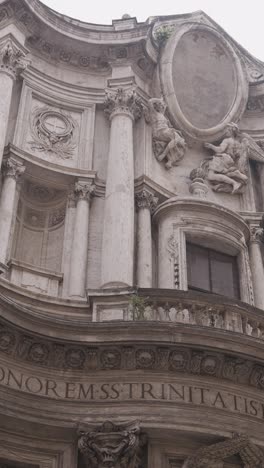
226 169
113 446
168 143
53 132
215 455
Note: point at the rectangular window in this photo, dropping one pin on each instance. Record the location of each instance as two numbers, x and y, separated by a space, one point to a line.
209 270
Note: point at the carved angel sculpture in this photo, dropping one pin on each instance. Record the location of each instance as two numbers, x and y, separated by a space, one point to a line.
168 143
227 168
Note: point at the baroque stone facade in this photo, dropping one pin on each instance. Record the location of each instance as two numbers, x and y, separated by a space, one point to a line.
131 243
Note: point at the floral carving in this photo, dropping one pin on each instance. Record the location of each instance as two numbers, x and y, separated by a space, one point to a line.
112 446
53 132
123 100
168 143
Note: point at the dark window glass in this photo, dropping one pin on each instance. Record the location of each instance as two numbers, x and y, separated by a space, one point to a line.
212 271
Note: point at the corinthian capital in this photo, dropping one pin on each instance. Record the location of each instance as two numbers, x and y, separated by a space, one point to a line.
12 59
256 234
123 101
84 190
13 169
145 199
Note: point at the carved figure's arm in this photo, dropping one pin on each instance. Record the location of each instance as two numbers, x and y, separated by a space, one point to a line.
218 149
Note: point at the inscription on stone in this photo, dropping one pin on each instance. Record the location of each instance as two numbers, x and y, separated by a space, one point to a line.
126 391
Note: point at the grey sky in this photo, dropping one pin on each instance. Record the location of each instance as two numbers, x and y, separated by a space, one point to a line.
243 20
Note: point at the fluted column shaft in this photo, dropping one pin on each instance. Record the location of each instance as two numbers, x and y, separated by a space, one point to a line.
118 233
83 192
12 62
12 170
146 203
256 264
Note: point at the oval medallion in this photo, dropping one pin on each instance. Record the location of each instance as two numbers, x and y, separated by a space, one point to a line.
203 81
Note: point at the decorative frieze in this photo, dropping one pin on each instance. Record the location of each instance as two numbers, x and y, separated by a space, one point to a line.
112 445
168 143
124 101
12 59
169 358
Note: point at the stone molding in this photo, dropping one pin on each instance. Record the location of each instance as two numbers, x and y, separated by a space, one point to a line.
12 59
214 455
112 445
123 101
13 169
83 190
146 199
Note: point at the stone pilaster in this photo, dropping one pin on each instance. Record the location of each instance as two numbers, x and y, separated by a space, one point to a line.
256 264
122 107
146 202
82 194
12 63
12 171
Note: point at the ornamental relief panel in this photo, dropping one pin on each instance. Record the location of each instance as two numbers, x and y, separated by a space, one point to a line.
54 132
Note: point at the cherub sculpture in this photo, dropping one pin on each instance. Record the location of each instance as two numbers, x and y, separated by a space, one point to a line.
227 168
168 143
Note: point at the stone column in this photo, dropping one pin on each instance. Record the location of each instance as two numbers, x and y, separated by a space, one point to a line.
146 203
83 192
12 63
122 107
12 170
256 264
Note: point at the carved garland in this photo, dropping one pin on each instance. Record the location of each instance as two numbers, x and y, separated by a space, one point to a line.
53 132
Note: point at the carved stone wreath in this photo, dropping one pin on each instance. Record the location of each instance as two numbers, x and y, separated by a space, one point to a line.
53 132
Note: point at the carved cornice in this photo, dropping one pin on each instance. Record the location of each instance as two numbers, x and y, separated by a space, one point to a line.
13 169
172 359
12 58
123 101
112 445
146 199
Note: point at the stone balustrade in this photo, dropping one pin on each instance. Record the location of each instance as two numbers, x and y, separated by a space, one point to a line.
231 316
